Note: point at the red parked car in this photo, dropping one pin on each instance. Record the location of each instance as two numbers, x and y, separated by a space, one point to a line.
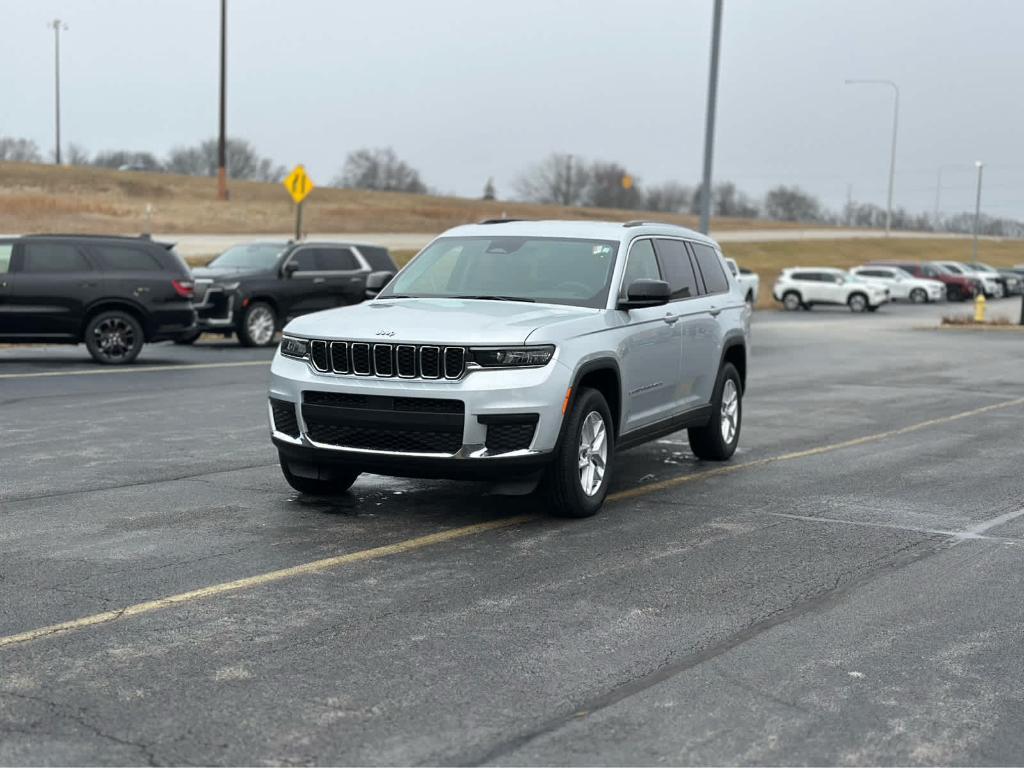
958 287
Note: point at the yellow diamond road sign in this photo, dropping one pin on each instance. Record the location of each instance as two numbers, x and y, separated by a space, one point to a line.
298 184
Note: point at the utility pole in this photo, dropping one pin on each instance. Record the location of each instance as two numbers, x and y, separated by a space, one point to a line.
222 150
709 125
892 152
849 204
57 26
567 198
977 212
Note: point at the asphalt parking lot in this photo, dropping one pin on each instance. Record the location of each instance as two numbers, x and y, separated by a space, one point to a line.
846 590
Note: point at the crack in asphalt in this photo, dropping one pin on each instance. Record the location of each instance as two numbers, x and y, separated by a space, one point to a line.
61 711
819 600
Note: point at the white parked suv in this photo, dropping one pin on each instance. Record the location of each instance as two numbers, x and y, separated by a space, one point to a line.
902 285
749 282
529 350
803 287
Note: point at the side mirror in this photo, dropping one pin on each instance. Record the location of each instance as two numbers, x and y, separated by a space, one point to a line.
377 282
290 269
646 293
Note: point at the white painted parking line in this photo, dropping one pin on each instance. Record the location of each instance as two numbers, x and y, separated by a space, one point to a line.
974 533
133 369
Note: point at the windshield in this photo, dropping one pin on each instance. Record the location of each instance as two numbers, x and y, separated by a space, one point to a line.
253 256
550 270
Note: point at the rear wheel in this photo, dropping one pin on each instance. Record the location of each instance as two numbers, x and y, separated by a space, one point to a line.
919 296
717 440
259 323
791 301
114 337
576 483
333 483
857 302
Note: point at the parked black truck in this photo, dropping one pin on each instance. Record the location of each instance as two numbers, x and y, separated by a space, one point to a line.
112 293
252 290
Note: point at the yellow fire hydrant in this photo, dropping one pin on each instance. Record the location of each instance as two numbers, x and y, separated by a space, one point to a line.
979 308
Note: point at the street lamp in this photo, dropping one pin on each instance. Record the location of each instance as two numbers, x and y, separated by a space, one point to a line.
892 155
938 194
57 26
977 211
709 124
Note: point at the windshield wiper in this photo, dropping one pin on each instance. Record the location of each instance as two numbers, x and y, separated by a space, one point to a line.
495 298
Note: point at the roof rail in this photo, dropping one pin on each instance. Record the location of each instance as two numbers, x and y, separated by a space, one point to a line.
499 221
642 222
89 236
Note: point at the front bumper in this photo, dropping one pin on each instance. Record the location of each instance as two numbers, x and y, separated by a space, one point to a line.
216 308
488 396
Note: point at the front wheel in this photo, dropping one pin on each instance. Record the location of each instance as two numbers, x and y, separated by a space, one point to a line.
576 483
113 338
717 440
259 323
791 301
858 302
918 296
336 483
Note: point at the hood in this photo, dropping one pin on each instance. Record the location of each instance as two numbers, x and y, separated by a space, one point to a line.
434 321
229 273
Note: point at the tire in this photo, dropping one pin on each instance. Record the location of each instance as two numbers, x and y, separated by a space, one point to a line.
954 293
114 337
258 325
341 479
717 440
791 301
857 302
188 340
919 296
563 484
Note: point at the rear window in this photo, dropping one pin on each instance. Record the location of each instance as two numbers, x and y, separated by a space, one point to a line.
126 258
336 260
378 258
53 257
710 266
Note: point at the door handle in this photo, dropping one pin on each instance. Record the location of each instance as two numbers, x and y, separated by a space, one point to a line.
671 319
319 279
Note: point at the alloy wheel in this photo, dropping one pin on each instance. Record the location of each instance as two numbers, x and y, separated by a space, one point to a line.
730 411
115 338
260 326
593 453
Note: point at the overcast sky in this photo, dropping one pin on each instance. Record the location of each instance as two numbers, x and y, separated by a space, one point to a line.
466 89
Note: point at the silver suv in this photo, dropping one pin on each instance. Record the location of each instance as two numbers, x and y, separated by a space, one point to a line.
526 350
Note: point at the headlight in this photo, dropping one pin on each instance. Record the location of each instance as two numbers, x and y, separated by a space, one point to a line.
292 347
512 357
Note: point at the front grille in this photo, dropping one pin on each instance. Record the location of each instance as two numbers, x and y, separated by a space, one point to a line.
505 438
382 423
391 440
284 417
406 361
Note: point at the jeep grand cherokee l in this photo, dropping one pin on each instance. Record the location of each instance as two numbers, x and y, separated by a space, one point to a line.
251 290
533 349
112 293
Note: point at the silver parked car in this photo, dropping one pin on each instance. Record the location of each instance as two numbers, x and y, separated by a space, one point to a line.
518 349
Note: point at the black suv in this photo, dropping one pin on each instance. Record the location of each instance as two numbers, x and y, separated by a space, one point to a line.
253 290
113 293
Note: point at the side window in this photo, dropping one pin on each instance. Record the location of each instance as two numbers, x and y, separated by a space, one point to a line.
335 260
119 258
642 265
53 257
305 260
710 266
804 276
5 256
733 268
930 271
676 266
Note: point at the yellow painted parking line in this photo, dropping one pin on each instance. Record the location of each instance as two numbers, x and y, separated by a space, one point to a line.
316 566
133 369
422 542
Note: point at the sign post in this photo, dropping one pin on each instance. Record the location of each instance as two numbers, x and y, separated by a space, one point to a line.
299 185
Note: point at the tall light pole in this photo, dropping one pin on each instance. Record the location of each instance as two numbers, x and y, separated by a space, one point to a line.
222 150
57 26
938 193
977 212
892 155
709 126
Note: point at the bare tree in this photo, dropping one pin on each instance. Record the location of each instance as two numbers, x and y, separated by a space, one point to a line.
791 204
670 197
559 179
379 169
120 158
612 186
19 150
244 162
77 155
